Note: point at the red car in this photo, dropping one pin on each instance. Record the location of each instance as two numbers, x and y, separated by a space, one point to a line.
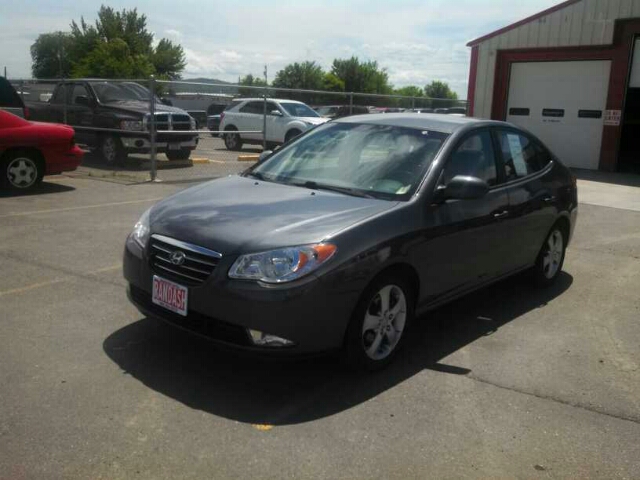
30 150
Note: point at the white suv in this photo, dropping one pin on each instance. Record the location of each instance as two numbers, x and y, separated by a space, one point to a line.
286 119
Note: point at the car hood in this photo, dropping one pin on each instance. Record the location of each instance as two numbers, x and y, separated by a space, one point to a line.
141 107
238 215
314 120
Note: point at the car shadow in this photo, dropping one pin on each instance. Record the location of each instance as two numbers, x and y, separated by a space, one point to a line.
45 188
628 179
279 392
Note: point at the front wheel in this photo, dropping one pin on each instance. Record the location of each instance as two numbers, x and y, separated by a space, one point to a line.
379 323
182 154
291 134
21 171
551 257
112 151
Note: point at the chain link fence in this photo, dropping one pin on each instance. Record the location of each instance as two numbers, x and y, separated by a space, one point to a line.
147 129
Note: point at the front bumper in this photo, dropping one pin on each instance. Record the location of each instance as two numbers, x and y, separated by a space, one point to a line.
143 145
314 315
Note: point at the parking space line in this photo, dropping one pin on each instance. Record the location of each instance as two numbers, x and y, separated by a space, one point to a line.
106 269
84 207
31 287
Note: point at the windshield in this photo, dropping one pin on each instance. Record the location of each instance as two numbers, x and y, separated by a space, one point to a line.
116 92
298 110
327 110
361 159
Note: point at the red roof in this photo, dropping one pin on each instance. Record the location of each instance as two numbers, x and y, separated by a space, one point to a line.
541 14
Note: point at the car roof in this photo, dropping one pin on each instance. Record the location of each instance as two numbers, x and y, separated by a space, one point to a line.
427 121
258 99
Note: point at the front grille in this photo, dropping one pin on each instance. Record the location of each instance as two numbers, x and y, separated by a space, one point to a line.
180 122
194 322
172 121
197 262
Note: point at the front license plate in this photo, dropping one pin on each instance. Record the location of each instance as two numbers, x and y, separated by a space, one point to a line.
174 146
170 295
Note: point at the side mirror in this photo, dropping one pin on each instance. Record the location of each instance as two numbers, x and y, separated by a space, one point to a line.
264 155
82 100
462 187
275 113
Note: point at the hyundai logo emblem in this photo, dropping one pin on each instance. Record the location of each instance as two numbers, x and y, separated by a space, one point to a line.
177 257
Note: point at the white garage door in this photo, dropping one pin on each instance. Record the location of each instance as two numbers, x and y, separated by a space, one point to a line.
563 104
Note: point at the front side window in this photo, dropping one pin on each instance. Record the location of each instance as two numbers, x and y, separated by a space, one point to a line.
360 159
521 155
298 109
474 157
78 91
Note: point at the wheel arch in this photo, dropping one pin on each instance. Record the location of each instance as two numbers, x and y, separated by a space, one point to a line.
38 156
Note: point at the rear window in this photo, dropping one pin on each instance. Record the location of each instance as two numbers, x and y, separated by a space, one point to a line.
8 95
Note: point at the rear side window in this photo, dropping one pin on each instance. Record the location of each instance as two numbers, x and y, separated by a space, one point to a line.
522 156
78 91
252 107
59 94
474 157
233 104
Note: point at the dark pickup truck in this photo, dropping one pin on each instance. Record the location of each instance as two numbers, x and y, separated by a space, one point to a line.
123 109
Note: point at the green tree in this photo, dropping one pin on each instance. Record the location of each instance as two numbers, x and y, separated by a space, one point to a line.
332 83
365 77
250 81
113 60
438 89
117 45
51 55
409 91
168 59
305 75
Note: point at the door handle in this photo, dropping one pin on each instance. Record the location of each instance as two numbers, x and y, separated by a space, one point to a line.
502 214
549 199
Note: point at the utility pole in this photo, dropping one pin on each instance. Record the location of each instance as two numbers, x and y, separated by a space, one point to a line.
264 113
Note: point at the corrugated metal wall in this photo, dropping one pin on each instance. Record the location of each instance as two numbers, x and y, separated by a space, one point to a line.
588 22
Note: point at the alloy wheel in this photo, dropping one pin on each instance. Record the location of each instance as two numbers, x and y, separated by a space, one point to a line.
553 254
22 172
384 322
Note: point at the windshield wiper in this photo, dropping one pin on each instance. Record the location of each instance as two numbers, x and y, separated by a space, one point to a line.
333 188
257 175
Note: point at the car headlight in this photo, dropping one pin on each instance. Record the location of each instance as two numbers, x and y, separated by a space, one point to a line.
282 265
141 231
131 125
192 123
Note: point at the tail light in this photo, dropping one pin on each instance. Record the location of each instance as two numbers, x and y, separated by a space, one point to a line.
25 110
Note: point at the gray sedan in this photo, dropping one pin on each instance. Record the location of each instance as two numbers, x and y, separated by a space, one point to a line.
339 239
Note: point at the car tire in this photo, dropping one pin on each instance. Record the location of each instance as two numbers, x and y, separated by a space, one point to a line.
551 257
291 134
232 141
372 324
111 151
21 170
182 154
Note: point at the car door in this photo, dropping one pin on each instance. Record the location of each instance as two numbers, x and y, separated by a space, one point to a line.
276 124
464 239
251 114
80 112
532 193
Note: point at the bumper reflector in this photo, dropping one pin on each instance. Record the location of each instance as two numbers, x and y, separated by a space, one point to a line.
266 340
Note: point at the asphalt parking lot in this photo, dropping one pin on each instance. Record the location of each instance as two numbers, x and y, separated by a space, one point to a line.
511 382
209 160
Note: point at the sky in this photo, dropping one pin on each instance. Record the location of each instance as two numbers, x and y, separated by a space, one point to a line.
416 41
